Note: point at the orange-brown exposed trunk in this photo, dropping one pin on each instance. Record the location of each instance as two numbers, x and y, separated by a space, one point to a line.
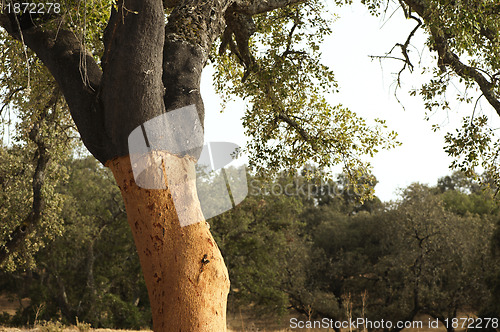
183 268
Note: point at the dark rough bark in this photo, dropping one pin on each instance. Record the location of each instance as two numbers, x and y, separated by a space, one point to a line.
182 66
189 34
132 91
259 7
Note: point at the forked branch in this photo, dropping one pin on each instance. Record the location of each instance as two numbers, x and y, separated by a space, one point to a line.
447 57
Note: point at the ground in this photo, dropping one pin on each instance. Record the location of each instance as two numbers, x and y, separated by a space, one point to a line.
241 322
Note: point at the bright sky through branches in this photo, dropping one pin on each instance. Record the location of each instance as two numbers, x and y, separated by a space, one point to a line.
367 88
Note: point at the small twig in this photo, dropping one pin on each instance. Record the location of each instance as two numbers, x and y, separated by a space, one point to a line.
9 98
474 110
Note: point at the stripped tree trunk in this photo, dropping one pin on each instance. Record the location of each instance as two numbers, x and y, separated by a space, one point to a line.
184 271
149 67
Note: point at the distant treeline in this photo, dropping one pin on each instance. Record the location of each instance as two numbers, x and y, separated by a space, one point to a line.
318 250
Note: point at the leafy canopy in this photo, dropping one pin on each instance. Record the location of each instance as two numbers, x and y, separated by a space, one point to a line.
285 88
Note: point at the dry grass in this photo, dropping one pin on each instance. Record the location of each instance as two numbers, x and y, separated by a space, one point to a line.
241 322
246 327
235 324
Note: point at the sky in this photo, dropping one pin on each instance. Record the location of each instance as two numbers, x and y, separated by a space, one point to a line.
367 88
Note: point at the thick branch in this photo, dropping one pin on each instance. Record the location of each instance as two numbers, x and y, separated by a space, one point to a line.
448 58
191 29
132 91
468 72
76 72
242 27
197 22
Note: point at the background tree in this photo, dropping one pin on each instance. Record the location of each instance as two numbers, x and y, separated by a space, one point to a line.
259 240
91 269
31 166
422 254
412 257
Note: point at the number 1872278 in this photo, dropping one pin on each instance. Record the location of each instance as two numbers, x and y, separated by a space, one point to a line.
31 7
469 322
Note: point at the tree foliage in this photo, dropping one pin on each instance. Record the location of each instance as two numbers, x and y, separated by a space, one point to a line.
40 134
464 40
285 85
91 269
293 243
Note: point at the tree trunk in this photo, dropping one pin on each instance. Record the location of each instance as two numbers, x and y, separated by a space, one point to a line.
149 67
183 268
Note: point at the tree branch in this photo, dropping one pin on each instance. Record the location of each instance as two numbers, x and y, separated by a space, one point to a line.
190 32
262 6
8 99
62 53
242 27
448 58
131 91
404 50
28 225
467 72
282 116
